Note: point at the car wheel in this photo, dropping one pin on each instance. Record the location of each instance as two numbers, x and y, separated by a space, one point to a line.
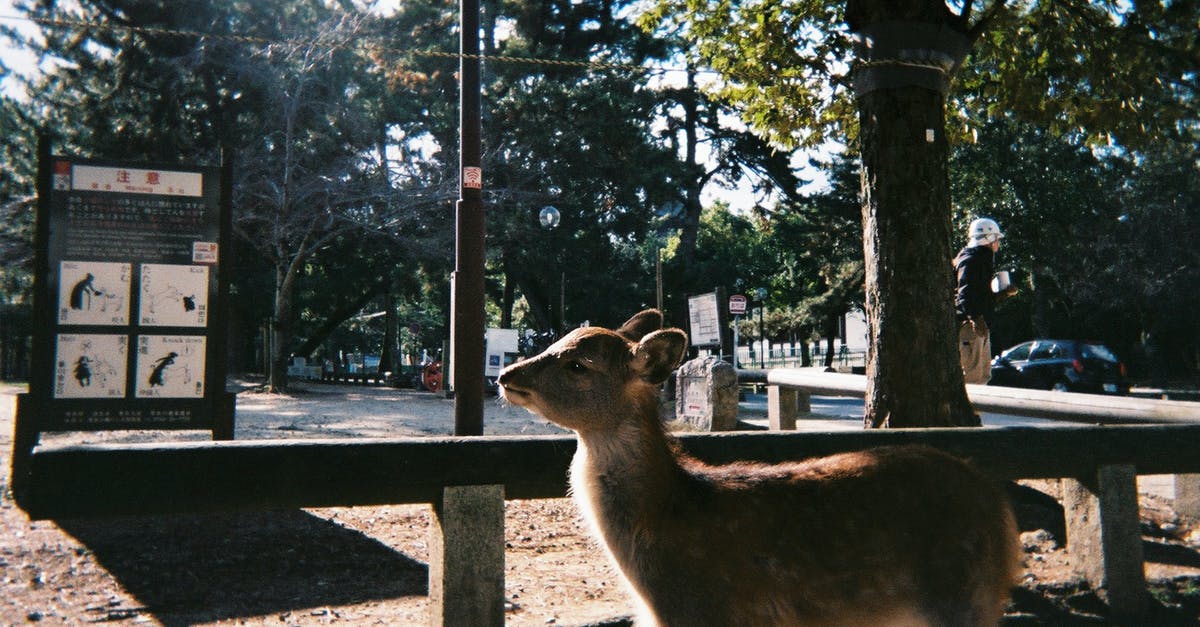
1060 387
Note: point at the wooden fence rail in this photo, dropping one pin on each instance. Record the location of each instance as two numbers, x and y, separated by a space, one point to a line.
111 479
1094 408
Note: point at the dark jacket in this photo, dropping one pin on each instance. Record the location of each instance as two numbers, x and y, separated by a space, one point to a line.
973 297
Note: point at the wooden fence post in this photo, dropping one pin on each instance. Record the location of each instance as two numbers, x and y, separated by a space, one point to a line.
1104 538
466 557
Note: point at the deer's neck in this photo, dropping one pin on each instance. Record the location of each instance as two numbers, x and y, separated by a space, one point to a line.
621 479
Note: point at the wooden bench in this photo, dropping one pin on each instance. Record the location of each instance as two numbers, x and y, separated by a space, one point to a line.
467 479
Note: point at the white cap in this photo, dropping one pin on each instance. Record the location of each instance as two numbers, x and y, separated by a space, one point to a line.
983 231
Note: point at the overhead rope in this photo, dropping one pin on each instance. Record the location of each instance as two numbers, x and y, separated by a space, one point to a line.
382 47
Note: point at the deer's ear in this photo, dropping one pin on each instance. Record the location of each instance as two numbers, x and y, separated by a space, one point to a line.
658 353
641 324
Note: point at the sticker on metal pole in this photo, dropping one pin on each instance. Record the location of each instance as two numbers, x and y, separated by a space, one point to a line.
472 178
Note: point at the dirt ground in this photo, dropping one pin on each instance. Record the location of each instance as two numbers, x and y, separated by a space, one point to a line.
368 565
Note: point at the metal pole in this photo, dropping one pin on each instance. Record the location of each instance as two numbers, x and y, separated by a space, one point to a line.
762 339
735 341
466 307
658 278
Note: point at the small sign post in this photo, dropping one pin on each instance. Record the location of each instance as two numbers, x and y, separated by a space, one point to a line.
737 305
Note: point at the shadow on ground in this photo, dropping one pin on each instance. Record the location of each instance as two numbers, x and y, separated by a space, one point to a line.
198 568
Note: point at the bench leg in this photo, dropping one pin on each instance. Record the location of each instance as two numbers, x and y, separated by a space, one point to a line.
782 405
1104 538
466 557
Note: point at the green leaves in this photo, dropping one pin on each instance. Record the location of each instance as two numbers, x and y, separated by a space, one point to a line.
782 64
1110 72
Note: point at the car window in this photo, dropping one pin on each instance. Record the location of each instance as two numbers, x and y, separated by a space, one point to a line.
1098 351
1046 350
1019 352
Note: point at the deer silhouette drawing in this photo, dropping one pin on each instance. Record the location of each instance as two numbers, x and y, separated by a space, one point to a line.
887 536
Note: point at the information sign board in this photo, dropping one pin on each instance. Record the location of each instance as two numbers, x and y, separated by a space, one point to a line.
130 275
704 320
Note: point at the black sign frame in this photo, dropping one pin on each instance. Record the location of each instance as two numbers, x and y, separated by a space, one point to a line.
104 357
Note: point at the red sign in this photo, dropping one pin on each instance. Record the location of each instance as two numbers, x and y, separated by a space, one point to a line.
737 304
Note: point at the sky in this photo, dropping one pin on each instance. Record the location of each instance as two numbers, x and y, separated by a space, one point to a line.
740 199
14 60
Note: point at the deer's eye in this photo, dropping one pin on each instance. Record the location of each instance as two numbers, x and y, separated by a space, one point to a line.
576 366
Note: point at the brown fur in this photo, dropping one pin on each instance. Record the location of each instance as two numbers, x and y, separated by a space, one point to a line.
889 536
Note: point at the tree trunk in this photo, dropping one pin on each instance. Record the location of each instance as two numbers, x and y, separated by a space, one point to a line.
692 207
539 305
805 352
913 374
281 336
506 304
389 354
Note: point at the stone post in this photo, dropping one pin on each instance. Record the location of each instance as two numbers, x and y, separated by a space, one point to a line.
1187 496
782 407
466 557
1104 538
707 394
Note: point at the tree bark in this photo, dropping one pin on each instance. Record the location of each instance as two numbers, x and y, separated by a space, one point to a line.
506 304
692 207
281 330
389 355
539 305
913 374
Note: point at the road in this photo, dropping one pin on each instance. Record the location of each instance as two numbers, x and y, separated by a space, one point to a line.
839 413
836 413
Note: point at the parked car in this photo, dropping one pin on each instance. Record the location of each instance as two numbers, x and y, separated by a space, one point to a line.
1066 365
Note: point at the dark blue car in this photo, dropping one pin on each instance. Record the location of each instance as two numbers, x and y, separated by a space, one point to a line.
1066 365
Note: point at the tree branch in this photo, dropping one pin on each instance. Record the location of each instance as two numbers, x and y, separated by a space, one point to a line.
974 32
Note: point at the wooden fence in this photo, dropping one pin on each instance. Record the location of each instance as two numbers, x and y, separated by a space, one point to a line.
467 480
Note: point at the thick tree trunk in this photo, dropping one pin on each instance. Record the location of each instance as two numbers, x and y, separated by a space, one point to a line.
913 373
909 50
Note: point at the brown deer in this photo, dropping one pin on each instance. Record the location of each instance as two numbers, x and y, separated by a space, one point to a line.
889 536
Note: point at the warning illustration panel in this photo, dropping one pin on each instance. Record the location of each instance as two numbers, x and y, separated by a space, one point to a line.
90 366
93 292
170 366
174 295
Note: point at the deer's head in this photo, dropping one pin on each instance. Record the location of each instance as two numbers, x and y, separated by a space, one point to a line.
594 378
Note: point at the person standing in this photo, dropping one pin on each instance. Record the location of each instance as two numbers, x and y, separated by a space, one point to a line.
974 299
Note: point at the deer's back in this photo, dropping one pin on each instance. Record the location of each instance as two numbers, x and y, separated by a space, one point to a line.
905 531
